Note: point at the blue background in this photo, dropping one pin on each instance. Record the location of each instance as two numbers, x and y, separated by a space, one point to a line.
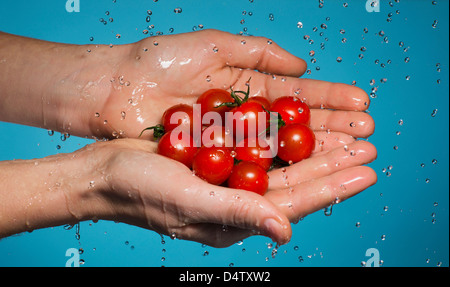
403 216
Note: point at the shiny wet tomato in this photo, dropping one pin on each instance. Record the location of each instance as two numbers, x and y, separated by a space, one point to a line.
184 118
249 176
292 110
178 146
212 100
295 142
251 149
261 100
217 136
213 164
247 120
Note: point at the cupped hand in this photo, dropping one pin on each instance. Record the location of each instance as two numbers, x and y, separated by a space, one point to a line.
148 190
145 189
162 71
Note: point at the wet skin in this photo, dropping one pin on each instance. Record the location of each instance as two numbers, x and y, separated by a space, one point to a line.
104 92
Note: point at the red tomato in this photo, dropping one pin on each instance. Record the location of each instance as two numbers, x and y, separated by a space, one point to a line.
179 148
292 110
261 100
211 99
295 142
186 121
213 164
246 118
250 150
249 176
217 136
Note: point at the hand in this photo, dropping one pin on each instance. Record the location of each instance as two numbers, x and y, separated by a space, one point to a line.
139 187
142 188
181 67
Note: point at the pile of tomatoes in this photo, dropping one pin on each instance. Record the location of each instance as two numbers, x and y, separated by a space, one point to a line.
241 158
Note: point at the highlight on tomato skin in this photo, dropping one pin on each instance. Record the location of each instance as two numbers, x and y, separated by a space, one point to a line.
213 164
292 110
186 121
250 149
213 100
178 147
249 176
295 142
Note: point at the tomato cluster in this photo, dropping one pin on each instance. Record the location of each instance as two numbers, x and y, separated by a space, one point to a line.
231 145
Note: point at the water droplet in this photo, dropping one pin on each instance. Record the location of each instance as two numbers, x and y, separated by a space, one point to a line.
434 25
328 210
433 113
215 49
358 224
299 25
339 59
271 17
177 10
123 115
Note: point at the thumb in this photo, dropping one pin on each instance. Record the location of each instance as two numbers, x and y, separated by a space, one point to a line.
241 209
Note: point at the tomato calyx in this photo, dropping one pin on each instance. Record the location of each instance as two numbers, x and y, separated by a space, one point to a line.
158 131
238 101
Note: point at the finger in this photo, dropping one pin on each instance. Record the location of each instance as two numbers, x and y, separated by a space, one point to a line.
326 141
355 154
214 235
238 208
256 53
356 124
316 94
313 195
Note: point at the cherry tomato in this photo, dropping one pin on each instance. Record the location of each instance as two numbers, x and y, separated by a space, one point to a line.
250 150
186 120
213 164
178 147
261 100
247 120
292 110
249 176
217 136
212 99
295 142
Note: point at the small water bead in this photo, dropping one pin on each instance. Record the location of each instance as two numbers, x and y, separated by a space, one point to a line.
271 17
338 59
434 112
147 19
215 49
299 25
178 10
434 25
328 210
